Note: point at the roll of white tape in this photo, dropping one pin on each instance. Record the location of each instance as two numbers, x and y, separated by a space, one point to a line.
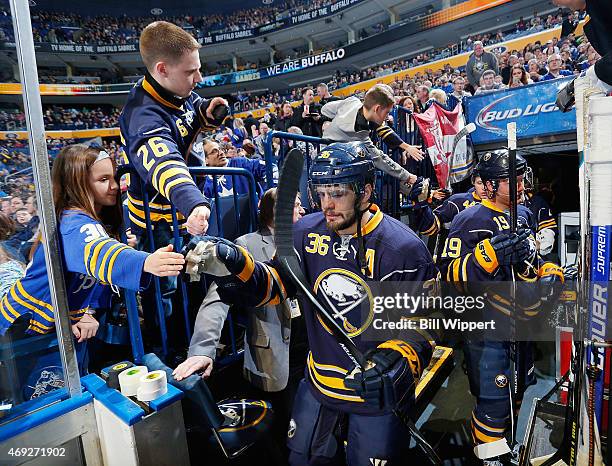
152 385
129 379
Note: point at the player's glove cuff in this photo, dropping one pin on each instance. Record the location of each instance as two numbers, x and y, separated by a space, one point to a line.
485 256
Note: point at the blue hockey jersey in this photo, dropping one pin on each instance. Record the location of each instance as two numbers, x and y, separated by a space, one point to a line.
91 259
430 222
157 131
541 210
468 259
329 261
227 185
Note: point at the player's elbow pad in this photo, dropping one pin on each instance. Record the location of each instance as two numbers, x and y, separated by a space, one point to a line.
485 256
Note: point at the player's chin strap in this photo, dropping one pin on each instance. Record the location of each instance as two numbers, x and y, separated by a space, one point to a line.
360 242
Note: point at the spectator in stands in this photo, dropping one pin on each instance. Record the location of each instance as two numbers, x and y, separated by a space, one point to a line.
6 205
160 120
240 132
554 68
324 95
458 95
422 96
261 139
488 83
409 103
275 368
284 122
16 204
479 62
12 268
251 122
505 70
307 116
519 77
439 96
535 72
216 157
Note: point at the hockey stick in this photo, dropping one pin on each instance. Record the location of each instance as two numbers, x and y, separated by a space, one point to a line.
287 189
511 127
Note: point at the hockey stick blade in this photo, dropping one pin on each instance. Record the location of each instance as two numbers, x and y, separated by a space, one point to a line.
283 236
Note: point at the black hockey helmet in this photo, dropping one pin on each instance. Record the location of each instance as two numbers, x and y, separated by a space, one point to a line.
495 166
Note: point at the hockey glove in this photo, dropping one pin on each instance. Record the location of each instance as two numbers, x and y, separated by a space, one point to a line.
216 256
513 248
419 194
388 384
550 281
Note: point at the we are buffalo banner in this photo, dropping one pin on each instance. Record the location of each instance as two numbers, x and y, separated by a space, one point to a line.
438 128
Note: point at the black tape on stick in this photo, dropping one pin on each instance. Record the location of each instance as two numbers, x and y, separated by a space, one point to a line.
113 374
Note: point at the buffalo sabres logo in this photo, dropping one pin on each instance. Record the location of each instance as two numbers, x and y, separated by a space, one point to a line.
487 157
346 294
501 380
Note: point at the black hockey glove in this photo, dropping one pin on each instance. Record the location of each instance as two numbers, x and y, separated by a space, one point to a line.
550 281
388 384
512 248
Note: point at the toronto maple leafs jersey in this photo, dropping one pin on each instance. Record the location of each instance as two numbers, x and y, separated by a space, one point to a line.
469 262
227 185
393 253
91 259
430 222
157 131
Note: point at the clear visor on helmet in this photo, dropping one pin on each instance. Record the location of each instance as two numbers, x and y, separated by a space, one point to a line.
329 192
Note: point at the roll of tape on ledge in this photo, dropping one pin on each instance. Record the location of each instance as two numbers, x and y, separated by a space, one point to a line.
112 380
129 379
152 386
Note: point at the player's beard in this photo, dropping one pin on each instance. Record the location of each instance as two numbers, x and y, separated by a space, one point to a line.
342 224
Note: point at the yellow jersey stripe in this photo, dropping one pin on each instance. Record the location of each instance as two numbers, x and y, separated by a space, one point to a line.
176 182
170 172
8 318
86 253
109 251
109 272
93 262
29 306
159 168
6 303
331 382
29 297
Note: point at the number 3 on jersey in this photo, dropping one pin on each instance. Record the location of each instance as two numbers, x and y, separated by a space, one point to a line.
155 145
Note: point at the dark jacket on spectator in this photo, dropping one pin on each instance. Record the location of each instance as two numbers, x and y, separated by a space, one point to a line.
250 121
308 125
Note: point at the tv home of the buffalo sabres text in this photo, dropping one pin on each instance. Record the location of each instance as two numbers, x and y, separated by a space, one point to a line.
410 304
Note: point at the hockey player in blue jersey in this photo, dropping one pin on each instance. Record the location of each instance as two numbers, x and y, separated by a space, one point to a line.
88 210
546 229
431 221
480 253
341 249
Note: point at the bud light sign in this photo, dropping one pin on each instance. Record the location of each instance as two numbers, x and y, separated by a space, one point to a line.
532 107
